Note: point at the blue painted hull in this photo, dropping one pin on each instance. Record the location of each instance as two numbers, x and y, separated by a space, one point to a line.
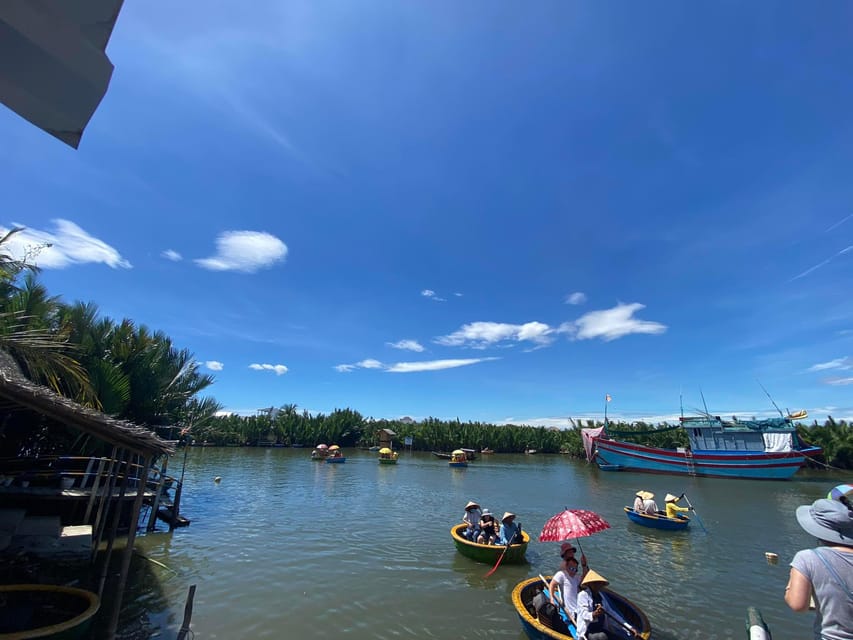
717 464
336 460
657 521
458 464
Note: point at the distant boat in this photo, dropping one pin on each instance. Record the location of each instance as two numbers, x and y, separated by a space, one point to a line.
530 451
487 451
768 449
373 448
658 520
387 456
458 459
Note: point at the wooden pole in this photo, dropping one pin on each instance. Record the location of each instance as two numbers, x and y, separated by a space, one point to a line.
155 504
188 614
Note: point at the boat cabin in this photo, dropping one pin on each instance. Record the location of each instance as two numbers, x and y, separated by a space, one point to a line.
712 433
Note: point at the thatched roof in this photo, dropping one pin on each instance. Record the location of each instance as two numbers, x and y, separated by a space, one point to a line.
17 392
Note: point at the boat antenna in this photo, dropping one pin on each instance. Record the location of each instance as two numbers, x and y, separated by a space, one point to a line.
782 415
704 404
681 402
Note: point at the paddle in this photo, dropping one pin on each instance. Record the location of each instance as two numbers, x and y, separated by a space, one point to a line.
500 559
698 519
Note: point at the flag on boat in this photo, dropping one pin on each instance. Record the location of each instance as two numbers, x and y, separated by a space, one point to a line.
607 398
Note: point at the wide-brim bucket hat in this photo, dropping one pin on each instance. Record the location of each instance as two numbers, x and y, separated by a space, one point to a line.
827 520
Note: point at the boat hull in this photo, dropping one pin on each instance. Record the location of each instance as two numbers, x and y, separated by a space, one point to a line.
331 460
387 460
522 596
717 464
657 521
54 612
458 464
488 553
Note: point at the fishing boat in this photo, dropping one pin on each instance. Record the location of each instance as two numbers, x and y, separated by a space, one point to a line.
522 600
46 611
486 451
658 520
458 459
321 452
488 553
769 449
387 456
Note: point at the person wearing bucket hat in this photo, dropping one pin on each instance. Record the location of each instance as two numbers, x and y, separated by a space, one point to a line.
597 618
843 493
488 532
510 532
672 508
826 571
471 517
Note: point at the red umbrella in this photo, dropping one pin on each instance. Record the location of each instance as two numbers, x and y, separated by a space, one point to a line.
572 523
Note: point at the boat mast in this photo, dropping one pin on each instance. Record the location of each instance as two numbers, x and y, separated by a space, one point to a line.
782 415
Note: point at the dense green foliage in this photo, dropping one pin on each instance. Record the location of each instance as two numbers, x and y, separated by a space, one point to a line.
124 369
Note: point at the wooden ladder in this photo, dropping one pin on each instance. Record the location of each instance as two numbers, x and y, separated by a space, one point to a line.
688 459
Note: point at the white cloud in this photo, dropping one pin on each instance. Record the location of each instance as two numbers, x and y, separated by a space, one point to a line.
480 335
408 345
457 294
410 367
279 369
245 251
578 297
214 365
174 256
838 381
434 365
69 245
610 324
429 293
838 363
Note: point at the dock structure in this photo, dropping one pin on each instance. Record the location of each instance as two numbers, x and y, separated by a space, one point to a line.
52 503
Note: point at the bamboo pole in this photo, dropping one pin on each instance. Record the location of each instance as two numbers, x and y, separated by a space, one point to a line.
188 614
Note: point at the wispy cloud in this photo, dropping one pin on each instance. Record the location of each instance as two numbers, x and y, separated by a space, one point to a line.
480 335
610 324
172 255
838 363
279 369
457 294
578 297
245 251
214 365
429 293
822 264
64 246
839 223
411 367
434 365
407 345
838 381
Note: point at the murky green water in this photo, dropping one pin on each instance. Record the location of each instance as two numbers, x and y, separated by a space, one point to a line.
288 547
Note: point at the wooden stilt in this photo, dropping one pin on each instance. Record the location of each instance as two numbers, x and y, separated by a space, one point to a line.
188 614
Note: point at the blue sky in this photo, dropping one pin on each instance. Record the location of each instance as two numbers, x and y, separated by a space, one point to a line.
496 212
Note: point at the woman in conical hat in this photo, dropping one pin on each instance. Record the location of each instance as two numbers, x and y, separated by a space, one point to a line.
471 517
595 609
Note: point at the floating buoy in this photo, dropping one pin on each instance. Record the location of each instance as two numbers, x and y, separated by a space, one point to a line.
772 558
217 479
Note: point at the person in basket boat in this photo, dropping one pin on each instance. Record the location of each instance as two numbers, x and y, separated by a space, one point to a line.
568 580
672 508
650 507
510 531
826 571
638 501
594 608
471 517
488 530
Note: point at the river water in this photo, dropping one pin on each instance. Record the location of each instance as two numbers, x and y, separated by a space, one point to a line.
287 547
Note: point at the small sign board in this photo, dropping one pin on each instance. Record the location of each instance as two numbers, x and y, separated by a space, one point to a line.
408 441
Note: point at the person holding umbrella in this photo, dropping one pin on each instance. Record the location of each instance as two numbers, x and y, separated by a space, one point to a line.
568 579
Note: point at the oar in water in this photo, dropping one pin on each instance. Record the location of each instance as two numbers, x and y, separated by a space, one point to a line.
500 559
698 519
